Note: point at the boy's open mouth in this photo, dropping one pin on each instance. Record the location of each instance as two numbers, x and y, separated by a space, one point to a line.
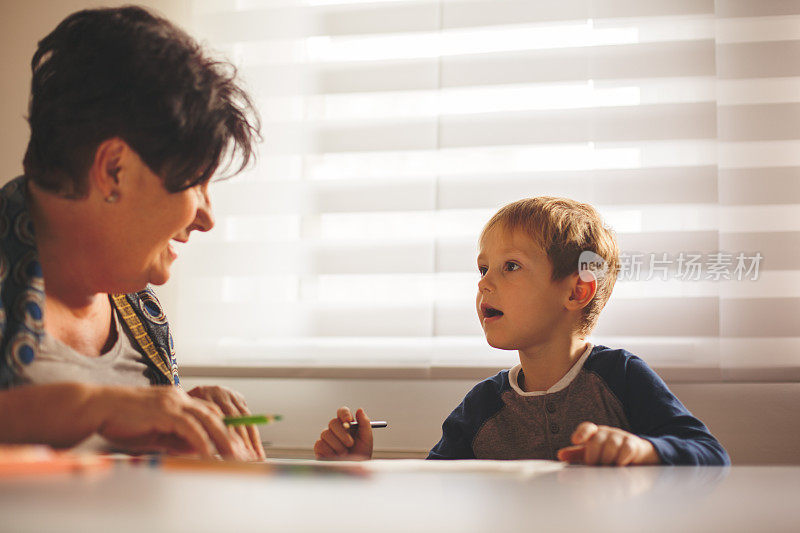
490 312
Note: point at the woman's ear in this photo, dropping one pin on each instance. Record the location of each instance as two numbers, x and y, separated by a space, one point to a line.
584 287
104 174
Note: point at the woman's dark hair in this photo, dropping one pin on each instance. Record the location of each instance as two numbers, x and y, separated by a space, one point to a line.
127 73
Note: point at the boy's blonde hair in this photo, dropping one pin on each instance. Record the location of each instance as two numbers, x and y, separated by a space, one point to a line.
564 229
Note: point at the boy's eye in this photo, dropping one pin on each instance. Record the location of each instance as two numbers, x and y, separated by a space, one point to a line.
482 270
511 266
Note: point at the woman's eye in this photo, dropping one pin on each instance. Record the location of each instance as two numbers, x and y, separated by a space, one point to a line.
512 266
482 270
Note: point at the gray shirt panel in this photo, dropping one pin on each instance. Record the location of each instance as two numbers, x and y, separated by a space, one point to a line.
56 362
539 426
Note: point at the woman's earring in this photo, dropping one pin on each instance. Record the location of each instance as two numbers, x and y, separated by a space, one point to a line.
113 197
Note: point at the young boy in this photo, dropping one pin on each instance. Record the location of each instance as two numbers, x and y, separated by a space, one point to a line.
540 294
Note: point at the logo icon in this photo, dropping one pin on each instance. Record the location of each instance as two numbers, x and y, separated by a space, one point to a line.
591 266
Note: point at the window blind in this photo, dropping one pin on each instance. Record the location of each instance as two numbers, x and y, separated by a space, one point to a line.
394 129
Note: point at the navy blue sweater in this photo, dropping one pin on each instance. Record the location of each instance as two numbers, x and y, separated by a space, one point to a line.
497 420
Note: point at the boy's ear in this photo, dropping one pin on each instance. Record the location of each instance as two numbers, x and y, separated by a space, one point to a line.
584 288
104 174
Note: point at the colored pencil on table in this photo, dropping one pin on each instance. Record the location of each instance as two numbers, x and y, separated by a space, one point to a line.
251 420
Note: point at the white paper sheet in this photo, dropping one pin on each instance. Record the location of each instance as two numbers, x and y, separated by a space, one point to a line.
526 468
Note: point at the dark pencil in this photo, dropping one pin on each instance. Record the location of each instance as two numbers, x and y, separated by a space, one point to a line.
353 426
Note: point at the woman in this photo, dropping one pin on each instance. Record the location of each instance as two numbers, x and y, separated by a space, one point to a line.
129 121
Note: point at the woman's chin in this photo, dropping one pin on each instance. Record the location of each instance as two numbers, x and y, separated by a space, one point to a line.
159 274
160 270
159 278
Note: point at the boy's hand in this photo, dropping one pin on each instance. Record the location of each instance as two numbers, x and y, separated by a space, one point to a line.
603 445
336 442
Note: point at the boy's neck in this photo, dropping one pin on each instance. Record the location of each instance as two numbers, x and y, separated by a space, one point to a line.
544 365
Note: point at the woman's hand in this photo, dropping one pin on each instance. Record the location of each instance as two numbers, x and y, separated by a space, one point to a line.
337 441
233 404
167 419
604 445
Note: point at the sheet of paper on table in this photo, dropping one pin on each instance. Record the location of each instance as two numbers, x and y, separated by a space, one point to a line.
526 468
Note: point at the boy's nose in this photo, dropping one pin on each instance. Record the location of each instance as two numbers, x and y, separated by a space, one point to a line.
484 285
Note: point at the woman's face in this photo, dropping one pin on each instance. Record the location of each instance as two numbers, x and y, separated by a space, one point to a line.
150 218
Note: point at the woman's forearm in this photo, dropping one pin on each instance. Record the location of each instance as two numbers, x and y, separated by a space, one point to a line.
59 414
132 418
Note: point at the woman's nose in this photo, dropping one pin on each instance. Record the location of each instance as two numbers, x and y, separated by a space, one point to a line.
204 217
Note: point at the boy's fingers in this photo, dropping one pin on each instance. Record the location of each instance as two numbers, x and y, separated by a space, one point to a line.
333 441
593 448
322 450
364 428
583 432
610 451
572 454
344 414
627 453
336 427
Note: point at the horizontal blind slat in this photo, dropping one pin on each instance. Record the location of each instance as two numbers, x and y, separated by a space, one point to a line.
761 122
758 186
410 17
762 8
758 59
494 12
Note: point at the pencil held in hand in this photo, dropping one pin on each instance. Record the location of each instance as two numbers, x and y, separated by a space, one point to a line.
344 439
353 426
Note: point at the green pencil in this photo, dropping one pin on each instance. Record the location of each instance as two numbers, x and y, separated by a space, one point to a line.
251 420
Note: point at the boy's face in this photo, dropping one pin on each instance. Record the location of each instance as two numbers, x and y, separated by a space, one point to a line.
519 306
